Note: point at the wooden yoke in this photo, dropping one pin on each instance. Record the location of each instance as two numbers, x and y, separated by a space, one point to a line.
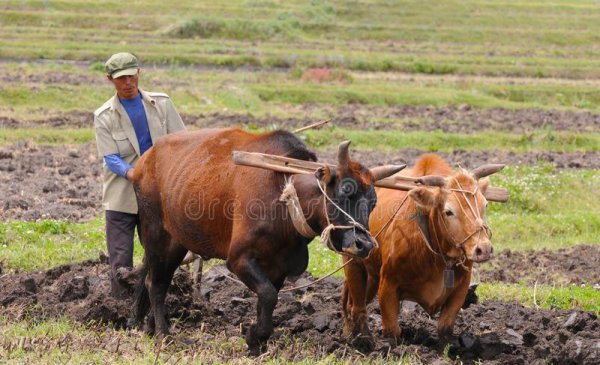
294 166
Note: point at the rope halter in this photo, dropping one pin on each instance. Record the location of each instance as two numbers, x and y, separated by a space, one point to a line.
481 227
290 197
480 224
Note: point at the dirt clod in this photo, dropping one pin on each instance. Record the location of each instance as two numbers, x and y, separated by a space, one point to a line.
491 330
575 265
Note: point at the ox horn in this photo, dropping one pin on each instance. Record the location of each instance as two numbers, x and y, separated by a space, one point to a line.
343 155
486 170
381 172
432 180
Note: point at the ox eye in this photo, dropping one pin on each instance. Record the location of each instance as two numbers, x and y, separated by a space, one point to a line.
449 213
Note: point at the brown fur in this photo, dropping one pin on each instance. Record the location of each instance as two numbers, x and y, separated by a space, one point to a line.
192 197
403 268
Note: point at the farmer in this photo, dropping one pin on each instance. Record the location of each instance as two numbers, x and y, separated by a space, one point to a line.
126 127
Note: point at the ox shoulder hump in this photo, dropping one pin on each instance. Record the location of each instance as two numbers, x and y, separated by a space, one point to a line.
158 95
102 109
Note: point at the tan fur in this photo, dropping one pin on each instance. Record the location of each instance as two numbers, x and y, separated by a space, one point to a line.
403 268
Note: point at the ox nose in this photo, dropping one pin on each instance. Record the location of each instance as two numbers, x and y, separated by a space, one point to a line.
483 252
359 246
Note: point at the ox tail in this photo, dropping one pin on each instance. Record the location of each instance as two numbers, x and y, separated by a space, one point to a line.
141 304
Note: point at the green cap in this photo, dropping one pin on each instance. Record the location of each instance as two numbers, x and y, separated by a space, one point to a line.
121 64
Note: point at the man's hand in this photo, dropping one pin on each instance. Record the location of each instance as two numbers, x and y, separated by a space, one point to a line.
129 174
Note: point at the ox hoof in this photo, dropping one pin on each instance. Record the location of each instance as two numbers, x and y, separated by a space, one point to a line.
133 323
392 339
447 339
149 326
363 343
163 338
256 343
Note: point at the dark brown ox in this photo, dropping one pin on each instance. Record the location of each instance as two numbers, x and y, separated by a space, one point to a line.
192 197
429 238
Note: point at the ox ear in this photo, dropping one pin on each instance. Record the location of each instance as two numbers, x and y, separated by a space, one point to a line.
343 154
484 184
324 174
424 197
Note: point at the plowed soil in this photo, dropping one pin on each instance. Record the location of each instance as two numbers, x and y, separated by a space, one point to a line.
492 331
40 182
573 265
402 118
47 182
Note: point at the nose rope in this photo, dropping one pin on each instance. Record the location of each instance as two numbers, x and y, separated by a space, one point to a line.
326 234
480 226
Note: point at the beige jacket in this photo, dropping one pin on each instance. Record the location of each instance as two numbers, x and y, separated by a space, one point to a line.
115 134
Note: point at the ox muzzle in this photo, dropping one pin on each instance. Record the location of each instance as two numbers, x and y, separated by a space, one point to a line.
357 242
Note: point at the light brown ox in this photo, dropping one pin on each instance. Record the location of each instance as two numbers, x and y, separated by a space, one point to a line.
404 267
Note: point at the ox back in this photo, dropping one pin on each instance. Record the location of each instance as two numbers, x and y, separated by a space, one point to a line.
210 200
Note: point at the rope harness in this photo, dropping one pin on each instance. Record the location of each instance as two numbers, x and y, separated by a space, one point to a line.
423 224
290 197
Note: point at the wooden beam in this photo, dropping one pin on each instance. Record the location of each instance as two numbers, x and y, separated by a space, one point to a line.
294 166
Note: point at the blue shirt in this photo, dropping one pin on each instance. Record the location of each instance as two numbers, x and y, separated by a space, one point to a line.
135 109
137 114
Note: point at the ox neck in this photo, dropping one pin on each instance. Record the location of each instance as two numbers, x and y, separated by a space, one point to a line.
311 201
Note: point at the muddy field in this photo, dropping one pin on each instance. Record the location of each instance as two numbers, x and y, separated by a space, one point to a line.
496 331
404 118
574 265
43 182
50 182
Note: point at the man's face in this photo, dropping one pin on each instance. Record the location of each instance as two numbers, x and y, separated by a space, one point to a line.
126 86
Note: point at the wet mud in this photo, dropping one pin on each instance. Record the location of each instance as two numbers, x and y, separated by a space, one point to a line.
492 331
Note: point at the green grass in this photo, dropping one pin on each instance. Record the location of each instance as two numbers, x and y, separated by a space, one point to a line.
543 296
538 39
64 341
541 140
34 91
47 136
547 208
48 243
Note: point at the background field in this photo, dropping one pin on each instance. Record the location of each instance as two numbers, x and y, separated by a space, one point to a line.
515 82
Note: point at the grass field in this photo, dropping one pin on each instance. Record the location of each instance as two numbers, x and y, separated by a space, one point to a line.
255 58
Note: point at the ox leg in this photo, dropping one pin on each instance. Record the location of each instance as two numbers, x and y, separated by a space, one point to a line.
355 305
248 271
450 311
389 302
158 280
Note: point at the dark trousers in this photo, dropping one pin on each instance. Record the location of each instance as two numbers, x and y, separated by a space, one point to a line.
120 229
